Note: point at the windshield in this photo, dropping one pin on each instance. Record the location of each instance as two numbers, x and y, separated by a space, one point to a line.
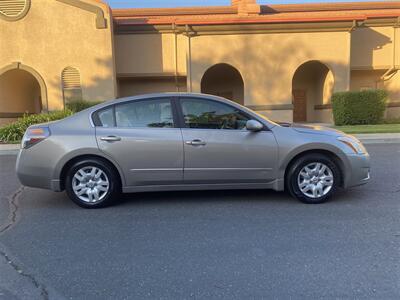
265 118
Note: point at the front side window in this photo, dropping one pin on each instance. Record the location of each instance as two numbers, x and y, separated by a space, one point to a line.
208 114
148 113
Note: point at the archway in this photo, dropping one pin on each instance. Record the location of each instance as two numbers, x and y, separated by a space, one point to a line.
223 80
22 90
312 86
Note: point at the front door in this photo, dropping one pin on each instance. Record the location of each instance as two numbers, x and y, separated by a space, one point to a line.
142 138
299 106
219 149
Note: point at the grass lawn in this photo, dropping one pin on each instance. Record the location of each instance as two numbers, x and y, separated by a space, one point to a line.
378 128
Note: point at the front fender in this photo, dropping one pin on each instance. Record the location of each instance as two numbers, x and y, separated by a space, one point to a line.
291 144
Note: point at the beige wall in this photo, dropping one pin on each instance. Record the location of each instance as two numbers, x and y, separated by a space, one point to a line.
328 84
371 79
365 79
392 85
19 92
5 121
268 62
225 81
150 53
54 35
285 115
372 47
137 86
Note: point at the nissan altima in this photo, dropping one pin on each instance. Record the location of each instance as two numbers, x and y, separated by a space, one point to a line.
185 141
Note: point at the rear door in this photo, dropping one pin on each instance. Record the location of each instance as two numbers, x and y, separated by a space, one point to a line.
219 148
142 136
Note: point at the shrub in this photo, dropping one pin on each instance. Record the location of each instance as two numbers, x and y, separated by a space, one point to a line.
14 132
78 105
353 108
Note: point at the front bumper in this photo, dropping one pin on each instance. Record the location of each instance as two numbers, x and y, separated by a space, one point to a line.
358 171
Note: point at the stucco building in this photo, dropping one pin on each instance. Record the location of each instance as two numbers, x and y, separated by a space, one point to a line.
283 61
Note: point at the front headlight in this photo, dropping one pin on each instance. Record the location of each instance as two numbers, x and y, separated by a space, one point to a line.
353 143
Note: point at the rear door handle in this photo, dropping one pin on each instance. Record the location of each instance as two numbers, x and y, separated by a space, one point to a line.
196 142
110 138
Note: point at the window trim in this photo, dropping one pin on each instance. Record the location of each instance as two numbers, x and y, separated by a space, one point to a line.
96 121
184 125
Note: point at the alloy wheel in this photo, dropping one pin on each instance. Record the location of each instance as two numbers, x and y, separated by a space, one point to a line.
315 180
90 184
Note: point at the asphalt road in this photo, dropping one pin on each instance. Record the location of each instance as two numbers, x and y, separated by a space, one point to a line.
204 245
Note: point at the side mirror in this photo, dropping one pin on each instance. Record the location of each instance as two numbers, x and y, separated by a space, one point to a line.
253 125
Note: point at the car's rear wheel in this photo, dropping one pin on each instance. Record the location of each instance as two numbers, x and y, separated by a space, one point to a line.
92 183
313 178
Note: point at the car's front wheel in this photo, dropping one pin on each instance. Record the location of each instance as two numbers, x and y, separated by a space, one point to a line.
313 178
92 183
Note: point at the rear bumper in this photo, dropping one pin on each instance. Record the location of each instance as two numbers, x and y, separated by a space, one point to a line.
358 172
34 172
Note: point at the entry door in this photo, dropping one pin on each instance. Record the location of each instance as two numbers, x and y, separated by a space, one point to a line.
299 106
219 149
141 137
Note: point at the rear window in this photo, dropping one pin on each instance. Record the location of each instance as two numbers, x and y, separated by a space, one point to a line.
155 113
104 117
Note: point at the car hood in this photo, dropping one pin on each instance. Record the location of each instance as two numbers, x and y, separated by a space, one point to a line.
313 129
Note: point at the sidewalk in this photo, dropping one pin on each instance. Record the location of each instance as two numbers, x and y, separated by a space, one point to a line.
9 149
370 138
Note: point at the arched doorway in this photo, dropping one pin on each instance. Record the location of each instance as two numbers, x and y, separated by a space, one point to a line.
225 81
22 90
312 87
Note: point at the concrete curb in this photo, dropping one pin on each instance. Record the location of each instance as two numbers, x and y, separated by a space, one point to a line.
370 138
9 149
379 138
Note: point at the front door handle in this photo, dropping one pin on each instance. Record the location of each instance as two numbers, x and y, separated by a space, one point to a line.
196 142
110 138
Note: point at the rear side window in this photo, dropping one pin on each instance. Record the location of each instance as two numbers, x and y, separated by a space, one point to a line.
105 117
155 113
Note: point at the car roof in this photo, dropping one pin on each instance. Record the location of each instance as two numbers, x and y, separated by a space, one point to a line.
160 95
167 94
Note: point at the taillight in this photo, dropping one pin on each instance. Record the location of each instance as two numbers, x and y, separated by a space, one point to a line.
34 135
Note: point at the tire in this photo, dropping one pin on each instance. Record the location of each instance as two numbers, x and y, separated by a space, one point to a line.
310 184
90 177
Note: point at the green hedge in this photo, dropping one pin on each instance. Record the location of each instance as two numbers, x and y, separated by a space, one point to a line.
78 105
13 133
354 108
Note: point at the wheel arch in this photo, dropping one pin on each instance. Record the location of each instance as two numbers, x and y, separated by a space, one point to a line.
338 160
80 157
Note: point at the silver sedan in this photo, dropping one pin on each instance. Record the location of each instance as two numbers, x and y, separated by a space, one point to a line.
165 142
